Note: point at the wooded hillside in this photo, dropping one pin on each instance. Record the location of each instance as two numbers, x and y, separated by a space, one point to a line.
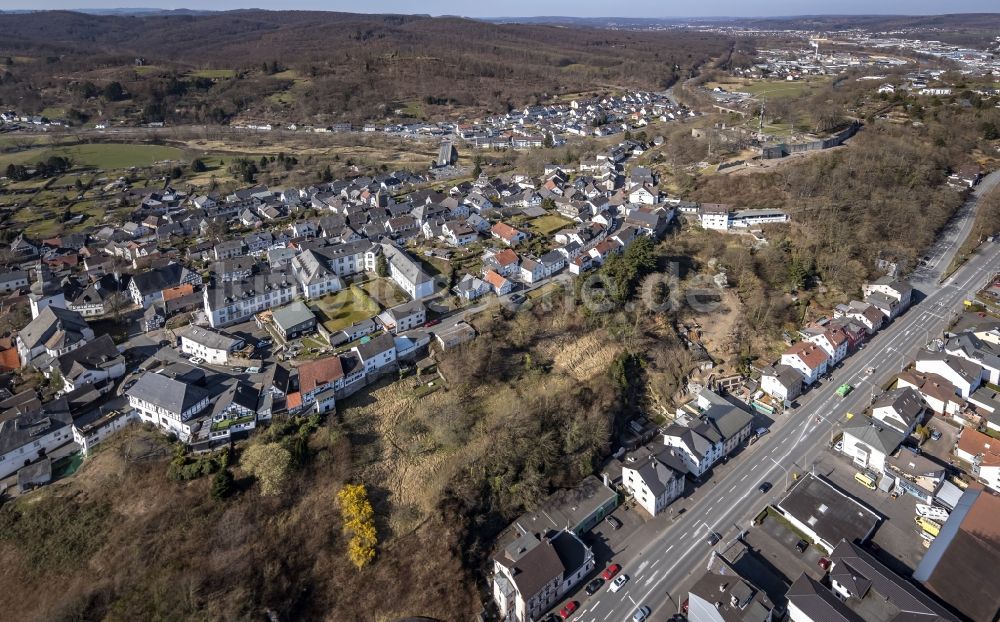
296 64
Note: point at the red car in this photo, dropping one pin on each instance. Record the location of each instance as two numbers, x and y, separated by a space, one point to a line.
824 563
430 323
568 610
611 571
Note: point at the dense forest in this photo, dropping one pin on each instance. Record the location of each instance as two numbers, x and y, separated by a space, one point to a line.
318 66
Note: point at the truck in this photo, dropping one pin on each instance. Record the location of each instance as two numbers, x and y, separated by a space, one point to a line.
927 525
844 389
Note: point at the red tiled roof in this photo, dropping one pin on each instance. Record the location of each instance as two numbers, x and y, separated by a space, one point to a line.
976 443
319 372
293 400
505 231
494 279
9 360
809 353
173 293
506 257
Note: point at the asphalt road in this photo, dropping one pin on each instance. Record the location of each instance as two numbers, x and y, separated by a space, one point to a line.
666 565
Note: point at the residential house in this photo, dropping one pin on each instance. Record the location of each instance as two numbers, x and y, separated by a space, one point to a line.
377 354
470 288
237 409
970 347
229 303
147 288
834 342
13 280
531 271
32 432
654 477
318 382
808 359
294 320
552 262
403 317
168 403
499 284
901 409
937 393
315 275
98 363
715 216
534 571
408 273
53 333
505 262
718 429
507 234
982 453
869 442
215 347
781 382
965 375
889 295
865 314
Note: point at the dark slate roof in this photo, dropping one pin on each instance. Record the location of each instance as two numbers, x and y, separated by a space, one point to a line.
171 395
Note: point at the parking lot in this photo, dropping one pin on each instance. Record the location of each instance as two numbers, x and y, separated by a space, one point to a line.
897 537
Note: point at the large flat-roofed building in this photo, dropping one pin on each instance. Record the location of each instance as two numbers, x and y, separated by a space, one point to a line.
827 514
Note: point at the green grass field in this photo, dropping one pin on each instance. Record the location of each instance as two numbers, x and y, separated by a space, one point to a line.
107 156
213 74
340 310
549 224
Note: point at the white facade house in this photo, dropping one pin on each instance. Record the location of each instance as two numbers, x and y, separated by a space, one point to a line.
214 346
408 273
652 479
867 443
965 375
781 382
167 403
93 430
378 353
834 342
234 302
403 317
808 359
27 437
715 216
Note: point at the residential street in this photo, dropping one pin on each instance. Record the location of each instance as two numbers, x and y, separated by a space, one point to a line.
671 560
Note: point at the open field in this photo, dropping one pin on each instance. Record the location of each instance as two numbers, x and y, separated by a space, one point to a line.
99 155
548 224
771 89
340 310
213 74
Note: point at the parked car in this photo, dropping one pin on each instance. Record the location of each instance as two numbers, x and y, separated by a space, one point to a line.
713 538
614 522
764 487
801 546
839 447
263 343
761 431
239 370
517 298
253 370
618 583
641 614
430 323
824 563
935 434
610 571
593 586
197 360
568 610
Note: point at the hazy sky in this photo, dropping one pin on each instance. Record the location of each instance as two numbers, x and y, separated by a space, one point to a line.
582 8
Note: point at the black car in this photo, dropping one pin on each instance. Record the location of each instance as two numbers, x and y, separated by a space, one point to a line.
593 586
764 487
801 546
517 298
614 522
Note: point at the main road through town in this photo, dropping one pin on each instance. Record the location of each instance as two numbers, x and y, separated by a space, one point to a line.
667 562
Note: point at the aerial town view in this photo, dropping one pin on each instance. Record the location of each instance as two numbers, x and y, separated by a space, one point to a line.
538 311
